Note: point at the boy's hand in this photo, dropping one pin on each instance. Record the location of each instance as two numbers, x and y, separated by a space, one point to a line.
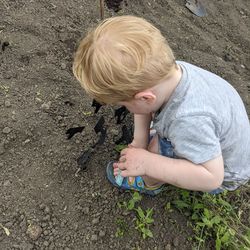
132 162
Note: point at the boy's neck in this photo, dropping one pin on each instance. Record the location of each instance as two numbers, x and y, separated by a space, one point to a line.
166 88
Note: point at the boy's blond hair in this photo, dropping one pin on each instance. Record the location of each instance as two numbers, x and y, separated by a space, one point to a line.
121 57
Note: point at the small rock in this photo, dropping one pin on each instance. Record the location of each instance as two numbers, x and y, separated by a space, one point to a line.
67 238
168 247
46 232
102 233
6 183
9 224
43 225
106 210
6 130
176 242
46 106
63 66
42 206
51 238
46 243
2 150
7 103
26 141
85 210
26 246
34 231
95 221
38 100
47 210
94 237
23 225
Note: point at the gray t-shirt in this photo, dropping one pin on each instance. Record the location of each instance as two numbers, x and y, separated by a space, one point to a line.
205 117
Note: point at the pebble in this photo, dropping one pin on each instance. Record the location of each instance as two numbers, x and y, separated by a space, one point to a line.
46 106
46 243
47 210
26 141
34 231
102 233
94 237
42 206
23 225
63 66
46 232
6 130
176 242
6 183
7 103
95 221
2 150
168 247
26 246
85 210
38 100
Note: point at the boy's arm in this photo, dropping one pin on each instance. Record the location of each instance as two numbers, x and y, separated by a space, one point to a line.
141 130
179 172
185 174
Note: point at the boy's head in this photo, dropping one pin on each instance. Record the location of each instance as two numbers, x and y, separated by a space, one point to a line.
121 57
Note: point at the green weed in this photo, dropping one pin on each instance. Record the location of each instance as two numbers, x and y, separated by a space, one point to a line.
143 218
122 227
118 148
213 217
143 221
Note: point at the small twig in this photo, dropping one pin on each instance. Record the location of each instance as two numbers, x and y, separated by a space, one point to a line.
102 9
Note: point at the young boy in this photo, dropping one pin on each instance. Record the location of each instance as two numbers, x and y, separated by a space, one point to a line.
202 132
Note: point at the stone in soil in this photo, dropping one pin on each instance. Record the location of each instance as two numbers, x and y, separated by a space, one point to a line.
6 130
34 231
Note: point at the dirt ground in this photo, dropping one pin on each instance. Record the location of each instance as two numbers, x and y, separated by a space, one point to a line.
40 100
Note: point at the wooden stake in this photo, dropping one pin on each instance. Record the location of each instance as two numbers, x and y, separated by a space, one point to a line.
102 9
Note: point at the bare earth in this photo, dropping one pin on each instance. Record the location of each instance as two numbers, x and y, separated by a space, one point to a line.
40 100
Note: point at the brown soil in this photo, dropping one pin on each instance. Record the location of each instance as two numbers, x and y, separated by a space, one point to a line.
42 202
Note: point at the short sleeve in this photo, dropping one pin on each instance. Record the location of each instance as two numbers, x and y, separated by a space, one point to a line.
195 138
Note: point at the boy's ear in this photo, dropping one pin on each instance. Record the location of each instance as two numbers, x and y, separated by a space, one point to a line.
146 95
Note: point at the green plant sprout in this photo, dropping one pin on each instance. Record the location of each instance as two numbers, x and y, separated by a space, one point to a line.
118 148
122 227
143 219
212 217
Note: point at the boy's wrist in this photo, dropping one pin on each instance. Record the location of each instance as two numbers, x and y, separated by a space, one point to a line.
139 143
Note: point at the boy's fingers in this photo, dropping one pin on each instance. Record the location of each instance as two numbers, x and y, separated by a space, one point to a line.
121 166
124 173
115 165
122 159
